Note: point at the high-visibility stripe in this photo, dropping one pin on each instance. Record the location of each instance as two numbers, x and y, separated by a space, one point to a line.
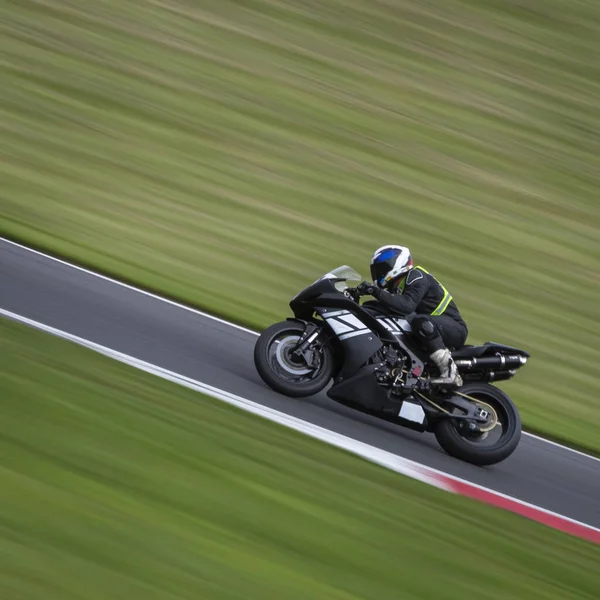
443 305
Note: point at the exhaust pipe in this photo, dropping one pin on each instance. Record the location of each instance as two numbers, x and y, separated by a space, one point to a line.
500 361
489 376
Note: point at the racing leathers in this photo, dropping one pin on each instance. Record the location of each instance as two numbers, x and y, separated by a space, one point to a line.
437 325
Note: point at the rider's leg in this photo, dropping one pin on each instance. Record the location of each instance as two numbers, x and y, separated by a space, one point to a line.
436 335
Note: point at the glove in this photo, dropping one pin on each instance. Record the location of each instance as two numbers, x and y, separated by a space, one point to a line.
368 289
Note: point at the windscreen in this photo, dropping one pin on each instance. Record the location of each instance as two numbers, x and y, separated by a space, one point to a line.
344 272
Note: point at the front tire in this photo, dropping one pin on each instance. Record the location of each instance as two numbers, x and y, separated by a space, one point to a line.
279 372
457 444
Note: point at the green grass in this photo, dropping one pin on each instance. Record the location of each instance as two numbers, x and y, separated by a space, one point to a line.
116 484
229 152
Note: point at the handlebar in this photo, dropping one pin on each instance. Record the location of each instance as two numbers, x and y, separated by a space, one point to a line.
353 294
350 293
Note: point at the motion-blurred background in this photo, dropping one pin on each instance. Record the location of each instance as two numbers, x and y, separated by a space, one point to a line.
228 152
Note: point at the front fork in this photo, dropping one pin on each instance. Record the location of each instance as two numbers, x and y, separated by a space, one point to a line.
302 350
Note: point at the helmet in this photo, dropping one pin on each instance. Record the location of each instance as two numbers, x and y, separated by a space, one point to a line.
388 265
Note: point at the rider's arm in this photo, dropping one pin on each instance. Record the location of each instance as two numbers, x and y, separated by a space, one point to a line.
414 291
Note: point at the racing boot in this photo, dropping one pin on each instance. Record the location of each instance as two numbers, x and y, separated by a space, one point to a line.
448 371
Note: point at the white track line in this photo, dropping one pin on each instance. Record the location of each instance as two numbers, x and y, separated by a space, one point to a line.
219 320
396 463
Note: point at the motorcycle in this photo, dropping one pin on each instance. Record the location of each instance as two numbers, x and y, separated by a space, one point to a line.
375 367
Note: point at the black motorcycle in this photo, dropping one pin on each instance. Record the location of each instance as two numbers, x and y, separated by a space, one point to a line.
378 370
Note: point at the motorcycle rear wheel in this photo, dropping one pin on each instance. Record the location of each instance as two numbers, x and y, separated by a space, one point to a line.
458 443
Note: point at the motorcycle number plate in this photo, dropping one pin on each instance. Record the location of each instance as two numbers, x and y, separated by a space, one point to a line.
412 412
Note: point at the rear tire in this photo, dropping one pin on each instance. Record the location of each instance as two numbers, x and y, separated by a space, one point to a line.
278 374
456 445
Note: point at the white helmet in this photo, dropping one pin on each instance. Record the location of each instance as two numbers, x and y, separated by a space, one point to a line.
389 263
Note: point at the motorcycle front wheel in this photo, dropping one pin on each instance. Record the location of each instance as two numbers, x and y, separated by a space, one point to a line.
281 371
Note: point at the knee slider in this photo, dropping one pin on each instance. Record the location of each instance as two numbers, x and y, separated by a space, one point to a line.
424 327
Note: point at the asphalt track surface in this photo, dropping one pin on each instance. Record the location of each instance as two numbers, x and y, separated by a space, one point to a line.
219 354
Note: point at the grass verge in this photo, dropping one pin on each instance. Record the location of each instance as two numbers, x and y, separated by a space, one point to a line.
228 152
116 484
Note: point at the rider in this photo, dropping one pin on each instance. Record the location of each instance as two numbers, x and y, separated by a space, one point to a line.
405 289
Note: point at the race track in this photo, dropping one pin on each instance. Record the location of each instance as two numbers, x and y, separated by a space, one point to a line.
219 354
